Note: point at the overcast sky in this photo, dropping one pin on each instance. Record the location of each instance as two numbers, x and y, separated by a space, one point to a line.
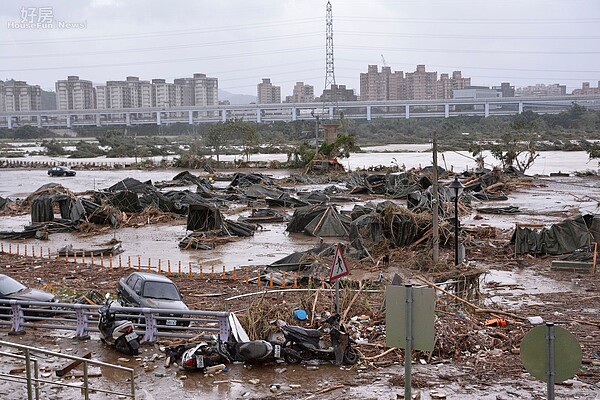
523 42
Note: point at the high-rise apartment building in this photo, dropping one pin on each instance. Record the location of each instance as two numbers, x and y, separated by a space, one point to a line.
506 89
267 93
421 85
199 90
75 94
418 85
541 90
134 93
375 85
130 93
19 96
447 86
587 89
338 93
302 94
164 94
2 96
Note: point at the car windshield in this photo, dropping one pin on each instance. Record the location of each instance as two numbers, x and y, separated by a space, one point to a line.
9 286
161 290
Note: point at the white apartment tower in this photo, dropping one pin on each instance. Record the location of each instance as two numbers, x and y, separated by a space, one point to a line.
2 95
19 96
267 92
199 90
75 94
130 93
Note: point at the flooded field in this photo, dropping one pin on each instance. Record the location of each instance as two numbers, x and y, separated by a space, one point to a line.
554 199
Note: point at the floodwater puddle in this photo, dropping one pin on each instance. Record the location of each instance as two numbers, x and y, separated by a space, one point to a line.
513 287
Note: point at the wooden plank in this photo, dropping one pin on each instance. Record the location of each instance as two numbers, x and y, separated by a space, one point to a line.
63 371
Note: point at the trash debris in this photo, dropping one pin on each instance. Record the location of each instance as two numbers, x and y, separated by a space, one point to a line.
495 322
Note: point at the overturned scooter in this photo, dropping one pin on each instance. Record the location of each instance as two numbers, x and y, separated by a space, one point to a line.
120 334
201 357
259 352
307 342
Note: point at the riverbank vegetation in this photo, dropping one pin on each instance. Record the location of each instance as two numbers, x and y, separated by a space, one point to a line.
506 136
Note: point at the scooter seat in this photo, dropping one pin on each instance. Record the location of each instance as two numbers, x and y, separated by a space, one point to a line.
313 333
254 350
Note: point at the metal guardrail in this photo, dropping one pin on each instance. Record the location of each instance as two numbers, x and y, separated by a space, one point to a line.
35 380
83 318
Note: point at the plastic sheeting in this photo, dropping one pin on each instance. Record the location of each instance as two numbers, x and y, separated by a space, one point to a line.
561 238
319 220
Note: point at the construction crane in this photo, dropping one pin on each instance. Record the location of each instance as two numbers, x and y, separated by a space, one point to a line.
383 61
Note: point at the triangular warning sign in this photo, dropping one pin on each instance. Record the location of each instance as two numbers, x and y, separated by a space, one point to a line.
339 267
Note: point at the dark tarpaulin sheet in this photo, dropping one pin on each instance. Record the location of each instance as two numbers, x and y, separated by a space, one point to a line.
204 217
561 238
329 224
131 185
123 200
42 207
319 220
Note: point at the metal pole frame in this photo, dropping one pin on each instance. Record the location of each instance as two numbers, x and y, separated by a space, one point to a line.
551 372
455 226
409 340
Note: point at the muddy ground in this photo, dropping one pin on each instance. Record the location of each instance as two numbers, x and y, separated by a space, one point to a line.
470 360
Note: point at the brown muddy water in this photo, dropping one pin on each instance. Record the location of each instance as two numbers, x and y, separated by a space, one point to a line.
554 199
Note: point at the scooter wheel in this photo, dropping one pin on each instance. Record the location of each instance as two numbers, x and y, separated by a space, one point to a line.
350 356
292 356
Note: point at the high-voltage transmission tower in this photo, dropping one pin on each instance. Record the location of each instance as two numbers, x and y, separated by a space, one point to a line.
329 70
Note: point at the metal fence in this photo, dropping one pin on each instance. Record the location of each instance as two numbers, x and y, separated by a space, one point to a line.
33 381
83 319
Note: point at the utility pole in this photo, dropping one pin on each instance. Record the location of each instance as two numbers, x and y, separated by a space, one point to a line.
435 204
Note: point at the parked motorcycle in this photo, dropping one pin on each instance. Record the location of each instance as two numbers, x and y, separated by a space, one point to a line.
259 352
120 334
308 342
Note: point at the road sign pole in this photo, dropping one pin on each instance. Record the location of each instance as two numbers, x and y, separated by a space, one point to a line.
337 296
409 338
551 371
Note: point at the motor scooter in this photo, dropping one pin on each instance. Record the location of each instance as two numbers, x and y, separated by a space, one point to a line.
199 357
259 352
120 334
308 342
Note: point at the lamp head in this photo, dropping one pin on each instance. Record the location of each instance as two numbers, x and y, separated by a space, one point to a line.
457 186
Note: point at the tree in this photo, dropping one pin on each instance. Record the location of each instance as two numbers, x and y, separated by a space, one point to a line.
300 156
216 137
54 148
513 152
246 132
342 147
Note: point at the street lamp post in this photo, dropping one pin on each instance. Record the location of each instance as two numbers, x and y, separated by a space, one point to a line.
458 187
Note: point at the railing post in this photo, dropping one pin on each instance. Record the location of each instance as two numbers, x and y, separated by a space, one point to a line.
86 388
17 319
151 327
28 374
81 331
